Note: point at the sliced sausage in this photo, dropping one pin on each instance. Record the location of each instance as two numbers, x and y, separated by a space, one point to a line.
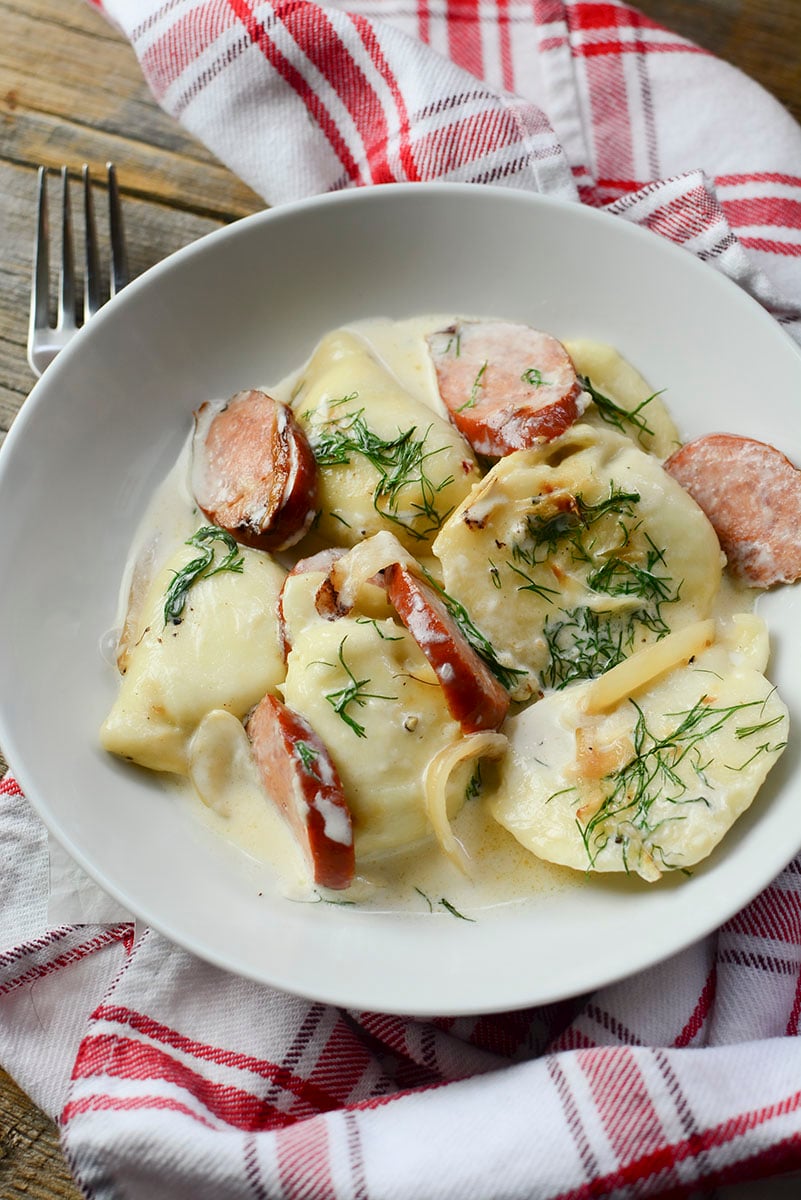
751 494
253 471
506 386
474 696
326 600
300 777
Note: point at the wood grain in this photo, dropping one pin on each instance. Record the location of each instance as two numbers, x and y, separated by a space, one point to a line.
71 91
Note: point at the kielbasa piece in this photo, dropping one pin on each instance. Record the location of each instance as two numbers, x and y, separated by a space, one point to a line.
474 696
751 494
506 386
300 777
254 473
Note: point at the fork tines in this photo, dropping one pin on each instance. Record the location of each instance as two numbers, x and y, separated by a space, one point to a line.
46 340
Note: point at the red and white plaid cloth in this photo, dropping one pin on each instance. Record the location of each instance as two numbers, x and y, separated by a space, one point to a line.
172 1079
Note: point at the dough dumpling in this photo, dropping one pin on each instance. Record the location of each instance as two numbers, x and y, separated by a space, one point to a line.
573 555
366 689
654 783
223 654
385 460
648 422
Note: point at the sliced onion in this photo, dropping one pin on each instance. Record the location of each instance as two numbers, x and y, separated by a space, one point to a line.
435 787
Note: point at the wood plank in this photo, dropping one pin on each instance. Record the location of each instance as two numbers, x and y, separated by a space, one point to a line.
32 1166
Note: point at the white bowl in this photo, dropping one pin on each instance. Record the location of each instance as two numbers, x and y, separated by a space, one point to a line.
248 303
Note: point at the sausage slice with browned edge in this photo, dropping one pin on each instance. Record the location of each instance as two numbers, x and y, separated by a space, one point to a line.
507 387
751 494
300 777
253 471
474 696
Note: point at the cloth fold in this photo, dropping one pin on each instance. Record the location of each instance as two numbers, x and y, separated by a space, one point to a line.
172 1079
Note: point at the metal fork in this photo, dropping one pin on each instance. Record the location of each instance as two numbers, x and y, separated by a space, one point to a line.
46 340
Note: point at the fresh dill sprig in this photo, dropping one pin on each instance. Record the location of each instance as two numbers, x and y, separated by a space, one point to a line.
352 693
533 377
652 774
400 462
203 540
617 416
446 904
508 677
583 644
472 399
546 532
530 585
385 637
308 757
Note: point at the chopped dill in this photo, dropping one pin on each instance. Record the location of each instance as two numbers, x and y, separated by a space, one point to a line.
477 384
446 904
427 899
352 693
198 568
385 637
400 462
583 644
508 677
473 788
547 532
617 416
652 774
533 377
308 757
538 589
455 340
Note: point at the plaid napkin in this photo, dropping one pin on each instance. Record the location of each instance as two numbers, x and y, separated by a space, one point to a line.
175 1080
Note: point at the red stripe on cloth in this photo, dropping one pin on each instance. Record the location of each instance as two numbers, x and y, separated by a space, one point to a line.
623 1102
423 21
371 45
316 36
700 1012
769 246
758 177
464 141
9 786
290 74
549 12
605 16
183 43
68 959
615 47
505 42
795 1013
341 1065
665 1158
611 125
317 1099
774 914
464 35
116 1057
304 1164
102 1103
764 210
28 948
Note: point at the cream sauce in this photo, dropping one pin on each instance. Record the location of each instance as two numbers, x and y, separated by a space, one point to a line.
421 878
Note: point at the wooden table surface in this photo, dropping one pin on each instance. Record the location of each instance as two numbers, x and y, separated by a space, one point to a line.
71 92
